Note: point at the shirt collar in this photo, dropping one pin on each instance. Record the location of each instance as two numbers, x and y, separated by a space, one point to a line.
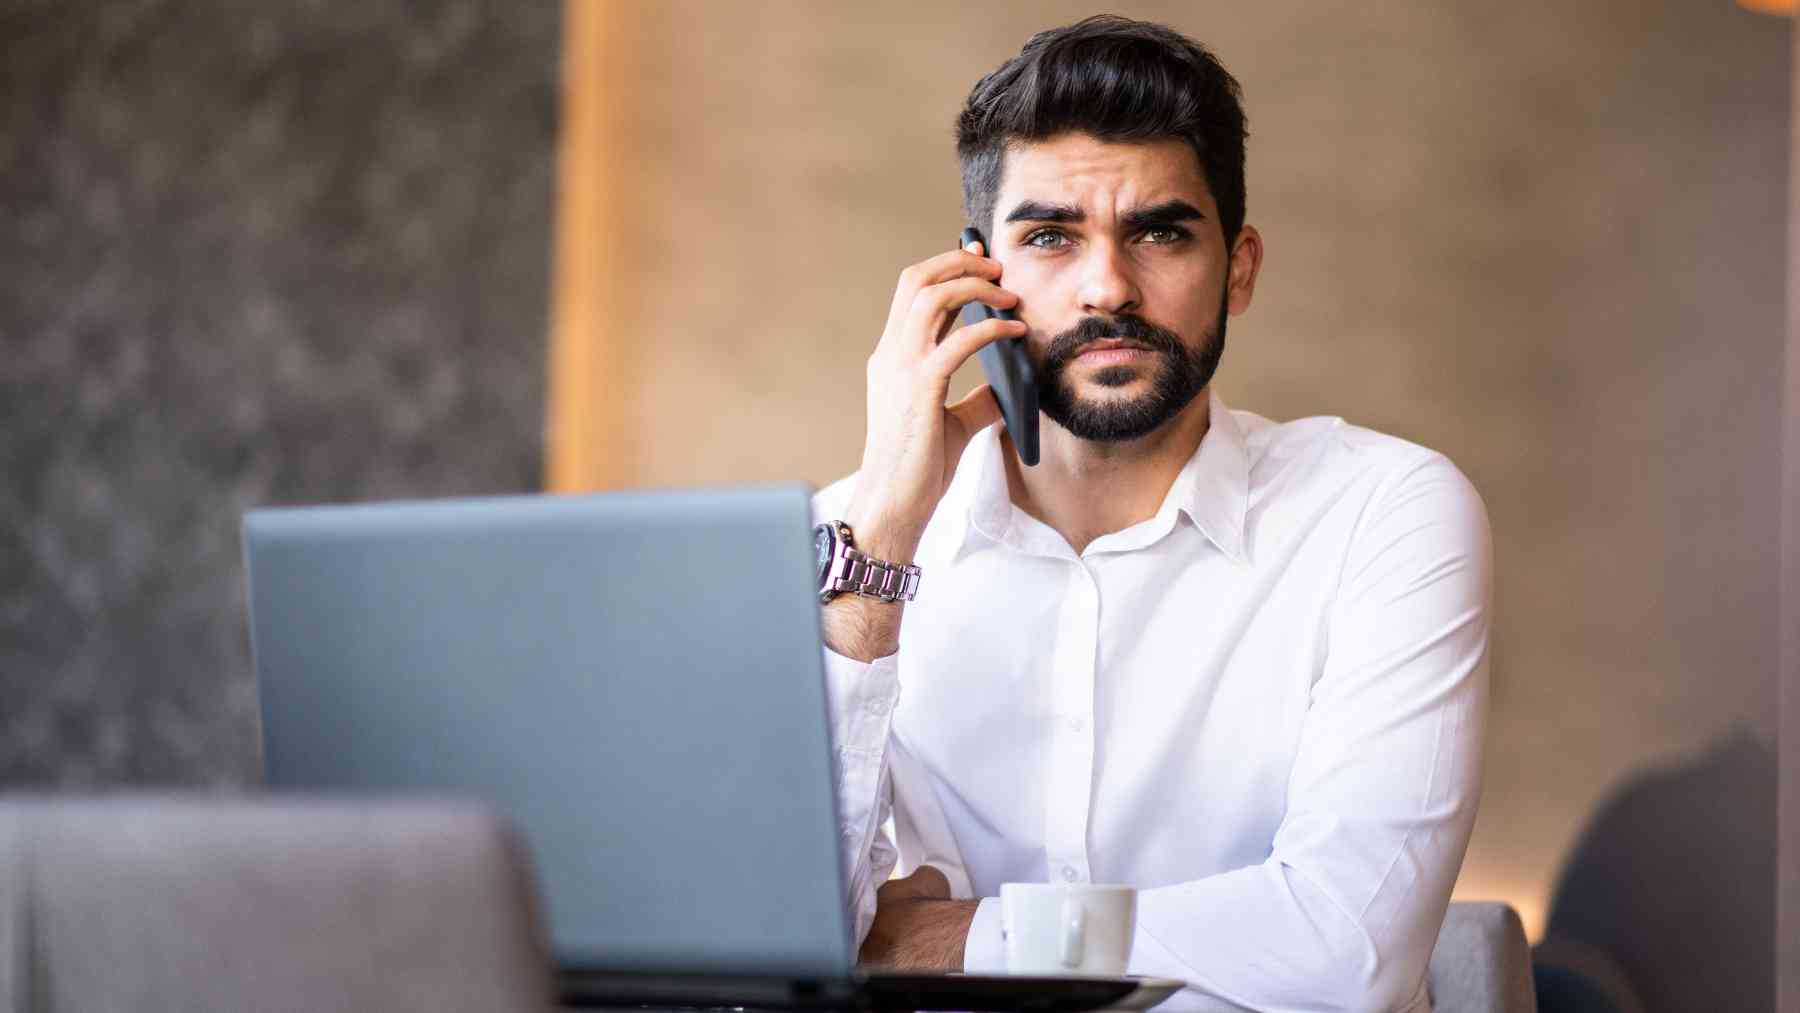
1212 490
987 505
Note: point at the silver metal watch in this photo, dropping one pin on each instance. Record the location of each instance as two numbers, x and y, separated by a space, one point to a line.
842 567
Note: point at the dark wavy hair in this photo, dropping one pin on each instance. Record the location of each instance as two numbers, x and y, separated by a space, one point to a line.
1119 80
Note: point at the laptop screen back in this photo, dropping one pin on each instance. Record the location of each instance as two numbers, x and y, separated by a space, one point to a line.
634 679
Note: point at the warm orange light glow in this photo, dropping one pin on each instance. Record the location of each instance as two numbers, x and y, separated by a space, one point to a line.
1785 8
577 452
1526 898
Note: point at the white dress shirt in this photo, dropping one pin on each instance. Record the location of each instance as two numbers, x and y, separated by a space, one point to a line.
1263 707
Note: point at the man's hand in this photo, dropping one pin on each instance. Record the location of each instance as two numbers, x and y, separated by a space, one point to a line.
917 926
914 439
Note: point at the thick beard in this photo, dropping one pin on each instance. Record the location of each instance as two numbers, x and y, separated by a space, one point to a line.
1181 375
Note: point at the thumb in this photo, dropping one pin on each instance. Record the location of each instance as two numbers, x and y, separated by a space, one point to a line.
977 411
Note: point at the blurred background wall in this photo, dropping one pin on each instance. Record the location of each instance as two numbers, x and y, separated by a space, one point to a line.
298 251
252 253
1546 239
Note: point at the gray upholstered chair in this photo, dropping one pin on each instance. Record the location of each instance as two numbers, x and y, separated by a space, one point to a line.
1482 963
214 904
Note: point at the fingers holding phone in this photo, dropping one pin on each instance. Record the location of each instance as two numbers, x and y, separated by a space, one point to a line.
914 438
930 293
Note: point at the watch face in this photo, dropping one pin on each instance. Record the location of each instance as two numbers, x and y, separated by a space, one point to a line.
824 547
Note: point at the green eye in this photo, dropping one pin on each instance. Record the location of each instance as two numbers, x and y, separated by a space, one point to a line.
1033 239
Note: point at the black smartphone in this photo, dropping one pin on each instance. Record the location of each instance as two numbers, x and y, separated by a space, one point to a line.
1008 369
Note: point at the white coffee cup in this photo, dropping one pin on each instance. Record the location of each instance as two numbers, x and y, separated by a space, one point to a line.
1075 928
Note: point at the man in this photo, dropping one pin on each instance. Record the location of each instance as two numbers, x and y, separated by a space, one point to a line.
1240 665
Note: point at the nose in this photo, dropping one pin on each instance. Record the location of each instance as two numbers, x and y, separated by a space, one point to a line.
1107 285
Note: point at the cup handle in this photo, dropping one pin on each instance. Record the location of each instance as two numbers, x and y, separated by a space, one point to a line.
1074 919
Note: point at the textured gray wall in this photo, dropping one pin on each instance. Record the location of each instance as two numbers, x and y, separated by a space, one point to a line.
1544 238
249 253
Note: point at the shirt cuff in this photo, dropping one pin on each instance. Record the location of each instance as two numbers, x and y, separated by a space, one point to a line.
862 696
985 950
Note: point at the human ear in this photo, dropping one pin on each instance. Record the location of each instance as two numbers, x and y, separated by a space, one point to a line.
1246 262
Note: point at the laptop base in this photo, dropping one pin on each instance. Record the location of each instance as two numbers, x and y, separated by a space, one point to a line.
879 992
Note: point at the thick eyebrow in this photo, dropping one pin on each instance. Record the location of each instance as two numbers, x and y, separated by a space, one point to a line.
1159 215
1151 216
1038 211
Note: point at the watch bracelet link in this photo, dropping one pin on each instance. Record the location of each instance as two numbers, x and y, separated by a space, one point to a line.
876 578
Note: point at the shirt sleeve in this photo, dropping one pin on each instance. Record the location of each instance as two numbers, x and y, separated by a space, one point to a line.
862 697
984 951
1345 911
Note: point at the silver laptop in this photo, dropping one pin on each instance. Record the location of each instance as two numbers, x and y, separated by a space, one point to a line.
636 681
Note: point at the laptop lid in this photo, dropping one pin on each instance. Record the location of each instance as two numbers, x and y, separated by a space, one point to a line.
634 679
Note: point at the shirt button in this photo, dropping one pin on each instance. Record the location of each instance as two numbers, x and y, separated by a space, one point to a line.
1070 874
1077 725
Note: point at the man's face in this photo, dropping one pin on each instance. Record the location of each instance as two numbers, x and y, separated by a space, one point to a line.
1118 258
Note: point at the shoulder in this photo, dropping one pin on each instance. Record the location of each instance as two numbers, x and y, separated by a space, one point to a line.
1379 493
1327 456
1330 448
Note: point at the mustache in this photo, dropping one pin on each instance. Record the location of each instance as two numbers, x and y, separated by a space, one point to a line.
1126 327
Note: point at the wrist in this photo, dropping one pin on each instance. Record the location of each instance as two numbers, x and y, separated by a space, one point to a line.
846 566
883 534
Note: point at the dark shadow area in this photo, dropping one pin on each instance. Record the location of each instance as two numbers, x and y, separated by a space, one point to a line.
1667 904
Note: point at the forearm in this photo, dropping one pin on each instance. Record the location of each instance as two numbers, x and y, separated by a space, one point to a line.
859 628
919 935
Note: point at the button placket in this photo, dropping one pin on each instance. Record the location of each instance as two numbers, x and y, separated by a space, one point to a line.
1071 762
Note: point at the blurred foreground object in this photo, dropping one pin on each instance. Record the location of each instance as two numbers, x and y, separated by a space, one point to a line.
163 904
